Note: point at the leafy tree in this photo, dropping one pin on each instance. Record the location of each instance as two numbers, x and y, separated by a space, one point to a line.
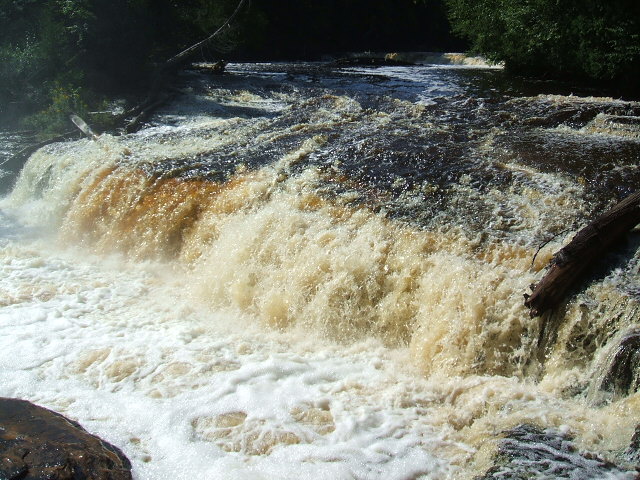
62 55
590 39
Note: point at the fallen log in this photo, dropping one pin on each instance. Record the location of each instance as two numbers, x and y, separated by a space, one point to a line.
144 111
570 262
181 57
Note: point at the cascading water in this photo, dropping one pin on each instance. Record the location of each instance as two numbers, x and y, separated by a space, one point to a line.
297 271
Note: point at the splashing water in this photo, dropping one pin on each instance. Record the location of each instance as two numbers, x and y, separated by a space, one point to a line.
297 271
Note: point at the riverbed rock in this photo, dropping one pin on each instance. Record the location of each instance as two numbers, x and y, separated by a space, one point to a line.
633 452
617 125
39 444
529 452
623 370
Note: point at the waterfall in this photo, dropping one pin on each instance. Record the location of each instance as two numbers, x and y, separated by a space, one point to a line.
299 269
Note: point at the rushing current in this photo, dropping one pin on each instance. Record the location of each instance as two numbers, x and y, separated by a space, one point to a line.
311 271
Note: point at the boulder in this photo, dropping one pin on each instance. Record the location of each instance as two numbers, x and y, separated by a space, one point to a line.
529 452
39 444
622 375
633 452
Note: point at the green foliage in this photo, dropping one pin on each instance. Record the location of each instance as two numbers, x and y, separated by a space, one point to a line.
63 101
591 39
59 56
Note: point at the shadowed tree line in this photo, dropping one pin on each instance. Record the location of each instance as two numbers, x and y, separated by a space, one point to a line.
588 40
307 29
58 56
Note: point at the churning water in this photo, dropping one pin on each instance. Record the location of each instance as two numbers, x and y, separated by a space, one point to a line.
297 271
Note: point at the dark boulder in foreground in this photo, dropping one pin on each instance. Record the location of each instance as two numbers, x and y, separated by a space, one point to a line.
528 452
38 444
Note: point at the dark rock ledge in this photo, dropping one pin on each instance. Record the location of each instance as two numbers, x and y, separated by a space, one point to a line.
528 452
38 444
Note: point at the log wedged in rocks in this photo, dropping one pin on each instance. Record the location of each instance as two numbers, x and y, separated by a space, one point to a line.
570 262
37 444
528 451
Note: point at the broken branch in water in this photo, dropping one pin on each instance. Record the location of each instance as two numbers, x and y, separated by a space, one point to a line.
570 262
180 57
84 128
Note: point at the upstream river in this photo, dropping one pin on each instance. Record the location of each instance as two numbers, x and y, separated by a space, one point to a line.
307 271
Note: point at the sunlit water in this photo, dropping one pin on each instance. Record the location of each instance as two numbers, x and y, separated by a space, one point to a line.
297 271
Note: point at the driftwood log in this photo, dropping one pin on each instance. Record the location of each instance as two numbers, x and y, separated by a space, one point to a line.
569 263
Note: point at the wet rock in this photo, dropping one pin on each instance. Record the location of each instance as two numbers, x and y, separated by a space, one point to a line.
571 116
633 452
553 110
623 369
38 444
620 125
528 452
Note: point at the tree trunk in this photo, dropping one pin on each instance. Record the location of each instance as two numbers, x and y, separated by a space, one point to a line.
569 263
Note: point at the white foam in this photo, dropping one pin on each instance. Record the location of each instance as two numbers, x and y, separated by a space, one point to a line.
186 392
193 391
119 350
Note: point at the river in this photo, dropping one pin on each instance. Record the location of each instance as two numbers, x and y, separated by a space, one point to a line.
309 271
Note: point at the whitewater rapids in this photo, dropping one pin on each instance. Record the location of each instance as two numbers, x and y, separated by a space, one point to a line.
297 273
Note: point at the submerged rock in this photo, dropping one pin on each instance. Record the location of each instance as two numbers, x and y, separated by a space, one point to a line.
38 444
619 125
528 452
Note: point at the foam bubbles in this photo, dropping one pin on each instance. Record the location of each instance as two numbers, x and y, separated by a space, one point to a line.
187 392
275 320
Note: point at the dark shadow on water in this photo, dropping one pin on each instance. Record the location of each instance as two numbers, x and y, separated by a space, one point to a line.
7 182
12 142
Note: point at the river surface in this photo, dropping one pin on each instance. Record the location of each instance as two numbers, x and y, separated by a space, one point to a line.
304 271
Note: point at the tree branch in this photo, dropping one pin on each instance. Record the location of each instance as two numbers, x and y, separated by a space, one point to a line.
156 98
179 58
